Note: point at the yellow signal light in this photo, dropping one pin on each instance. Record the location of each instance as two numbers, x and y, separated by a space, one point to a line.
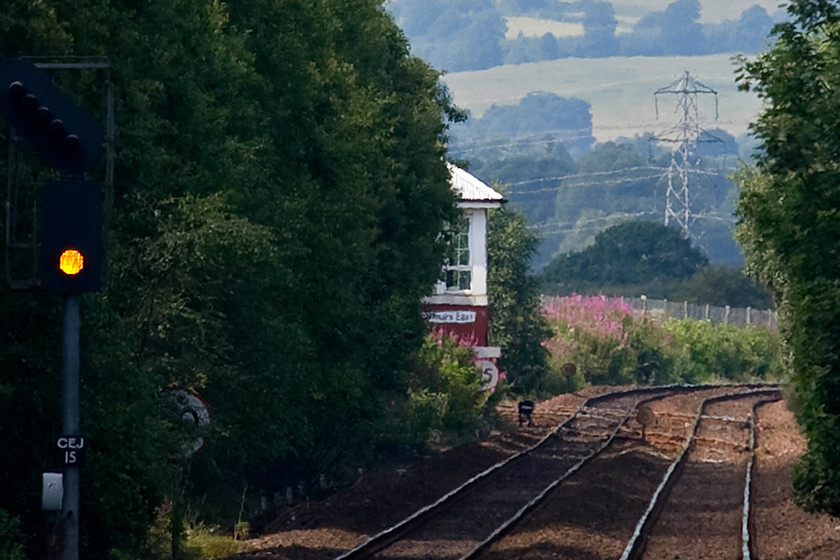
71 262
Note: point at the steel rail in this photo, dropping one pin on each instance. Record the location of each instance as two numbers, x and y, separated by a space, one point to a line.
635 546
388 536
746 515
508 525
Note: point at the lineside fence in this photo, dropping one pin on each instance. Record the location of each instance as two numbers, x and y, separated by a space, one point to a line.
738 316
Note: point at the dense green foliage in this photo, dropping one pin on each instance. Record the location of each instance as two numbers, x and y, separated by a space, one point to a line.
790 228
518 325
274 223
722 286
11 541
446 397
611 344
706 353
646 258
629 254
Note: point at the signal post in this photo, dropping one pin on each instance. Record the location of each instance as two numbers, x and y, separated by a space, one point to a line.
71 250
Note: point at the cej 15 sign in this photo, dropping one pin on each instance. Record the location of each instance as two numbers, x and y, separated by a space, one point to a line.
71 450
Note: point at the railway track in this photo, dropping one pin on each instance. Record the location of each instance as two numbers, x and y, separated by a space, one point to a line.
476 519
684 515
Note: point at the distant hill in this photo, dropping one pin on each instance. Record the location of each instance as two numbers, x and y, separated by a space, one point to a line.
570 202
618 89
462 35
557 80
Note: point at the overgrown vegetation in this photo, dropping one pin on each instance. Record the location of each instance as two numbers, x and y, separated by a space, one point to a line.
518 326
280 186
789 225
447 400
11 539
611 344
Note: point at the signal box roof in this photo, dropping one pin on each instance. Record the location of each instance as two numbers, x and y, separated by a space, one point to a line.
471 189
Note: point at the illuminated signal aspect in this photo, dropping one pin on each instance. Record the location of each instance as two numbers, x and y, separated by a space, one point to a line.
71 262
71 253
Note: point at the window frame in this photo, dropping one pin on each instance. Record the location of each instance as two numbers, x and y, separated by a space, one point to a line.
458 250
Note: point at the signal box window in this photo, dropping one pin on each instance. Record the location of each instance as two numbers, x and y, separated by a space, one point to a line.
456 268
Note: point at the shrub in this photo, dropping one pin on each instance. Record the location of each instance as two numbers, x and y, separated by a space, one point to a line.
611 344
707 352
607 343
11 540
446 399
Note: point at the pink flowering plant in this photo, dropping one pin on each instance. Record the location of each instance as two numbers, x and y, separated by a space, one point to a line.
446 399
610 343
605 339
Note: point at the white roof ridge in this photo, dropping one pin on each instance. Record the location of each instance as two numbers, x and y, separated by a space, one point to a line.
471 188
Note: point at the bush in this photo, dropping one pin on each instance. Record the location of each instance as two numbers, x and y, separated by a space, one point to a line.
713 353
11 540
611 344
607 343
446 400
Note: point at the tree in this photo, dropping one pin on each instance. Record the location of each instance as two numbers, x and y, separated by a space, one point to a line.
634 252
682 33
610 156
281 185
674 31
748 34
454 36
599 24
789 226
518 325
536 115
722 286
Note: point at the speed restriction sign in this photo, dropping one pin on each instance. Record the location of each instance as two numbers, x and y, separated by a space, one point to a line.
195 411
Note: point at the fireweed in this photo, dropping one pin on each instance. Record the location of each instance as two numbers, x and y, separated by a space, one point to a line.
596 333
610 343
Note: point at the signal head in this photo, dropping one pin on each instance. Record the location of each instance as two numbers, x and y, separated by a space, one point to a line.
63 135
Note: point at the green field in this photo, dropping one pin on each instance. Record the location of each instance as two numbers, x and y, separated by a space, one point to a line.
620 90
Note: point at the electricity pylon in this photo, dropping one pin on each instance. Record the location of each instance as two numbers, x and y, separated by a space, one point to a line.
685 134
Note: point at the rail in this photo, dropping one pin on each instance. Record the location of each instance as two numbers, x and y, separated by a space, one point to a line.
567 460
636 544
387 537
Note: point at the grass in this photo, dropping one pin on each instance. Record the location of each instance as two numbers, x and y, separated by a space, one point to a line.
206 543
619 89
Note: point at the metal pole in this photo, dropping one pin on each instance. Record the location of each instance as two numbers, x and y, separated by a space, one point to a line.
70 426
